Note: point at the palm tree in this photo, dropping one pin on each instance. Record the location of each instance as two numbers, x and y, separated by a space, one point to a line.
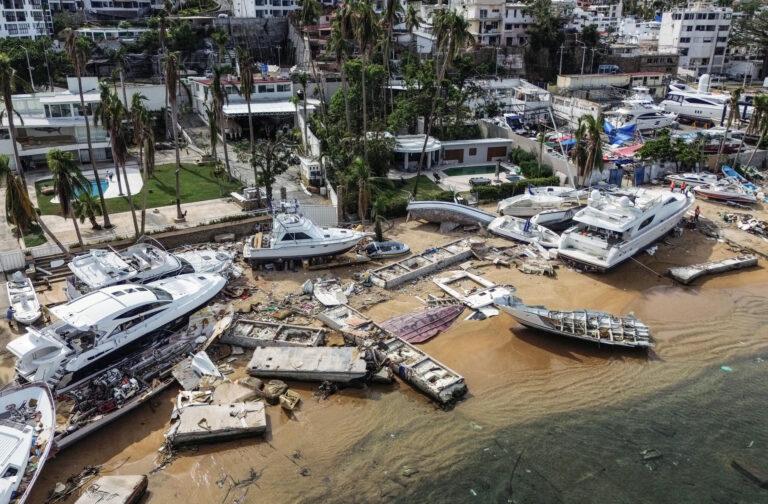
366 29
68 182
220 39
587 154
391 16
103 113
451 36
360 175
86 207
172 85
339 47
7 76
144 137
121 62
246 87
77 52
219 95
758 124
413 21
273 156
733 115
19 210
113 114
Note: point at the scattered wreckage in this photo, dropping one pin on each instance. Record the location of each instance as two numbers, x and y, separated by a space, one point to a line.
687 274
249 333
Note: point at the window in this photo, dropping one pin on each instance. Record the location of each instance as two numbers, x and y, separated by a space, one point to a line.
685 40
473 151
723 27
722 39
684 51
712 15
700 28
483 13
689 28
646 222
676 16
508 26
701 15
688 16
283 88
295 236
58 110
710 28
719 51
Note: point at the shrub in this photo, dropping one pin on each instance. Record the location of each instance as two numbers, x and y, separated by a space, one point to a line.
507 190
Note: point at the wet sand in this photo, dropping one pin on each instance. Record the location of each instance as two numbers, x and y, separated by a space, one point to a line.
573 408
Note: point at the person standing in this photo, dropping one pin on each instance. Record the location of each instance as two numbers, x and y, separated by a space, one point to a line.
696 214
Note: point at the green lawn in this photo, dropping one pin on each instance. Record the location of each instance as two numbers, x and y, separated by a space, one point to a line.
34 237
198 183
394 198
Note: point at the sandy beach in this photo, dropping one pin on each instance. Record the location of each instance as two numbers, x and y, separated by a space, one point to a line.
390 443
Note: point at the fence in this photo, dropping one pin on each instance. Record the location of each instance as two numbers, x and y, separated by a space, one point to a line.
322 215
12 260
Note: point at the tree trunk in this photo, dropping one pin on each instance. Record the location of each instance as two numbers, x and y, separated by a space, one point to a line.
345 87
224 141
47 231
77 228
144 178
306 121
117 166
122 84
365 113
759 143
104 212
250 127
12 134
177 173
722 143
130 203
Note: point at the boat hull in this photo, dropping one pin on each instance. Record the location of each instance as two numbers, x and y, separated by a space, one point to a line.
725 196
269 255
543 236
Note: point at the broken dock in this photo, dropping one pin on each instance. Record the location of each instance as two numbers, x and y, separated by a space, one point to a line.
687 274
255 333
419 265
335 364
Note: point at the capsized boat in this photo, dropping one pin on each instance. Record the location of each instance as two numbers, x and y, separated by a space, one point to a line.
728 191
611 229
587 325
23 299
692 178
386 249
27 421
446 211
420 326
515 228
538 199
294 236
91 332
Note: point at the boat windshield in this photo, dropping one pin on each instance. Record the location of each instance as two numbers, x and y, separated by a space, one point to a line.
162 295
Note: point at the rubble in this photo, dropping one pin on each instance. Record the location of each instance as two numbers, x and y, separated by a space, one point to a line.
481 293
249 333
114 490
212 422
687 274
341 365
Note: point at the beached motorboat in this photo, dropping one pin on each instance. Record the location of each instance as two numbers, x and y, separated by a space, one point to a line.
446 211
27 420
728 191
91 332
420 326
538 199
611 229
523 230
556 220
386 249
738 177
294 236
692 179
208 261
587 325
23 298
639 110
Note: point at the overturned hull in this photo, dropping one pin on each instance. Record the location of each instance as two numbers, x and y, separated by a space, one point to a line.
254 333
687 274
444 211
586 325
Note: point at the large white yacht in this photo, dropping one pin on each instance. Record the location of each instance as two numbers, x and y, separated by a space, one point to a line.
294 236
89 332
27 422
640 110
539 199
139 263
699 104
611 229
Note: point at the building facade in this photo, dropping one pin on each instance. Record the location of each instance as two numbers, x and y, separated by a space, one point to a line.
699 34
263 8
27 19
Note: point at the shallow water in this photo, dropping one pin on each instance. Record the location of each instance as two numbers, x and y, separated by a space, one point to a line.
545 420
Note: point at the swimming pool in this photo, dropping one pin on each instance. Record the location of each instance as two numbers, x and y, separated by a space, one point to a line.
94 187
471 170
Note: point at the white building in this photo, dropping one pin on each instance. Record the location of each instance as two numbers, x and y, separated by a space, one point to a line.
263 8
513 96
516 22
604 14
111 33
634 31
119 8
699 34
484 17
56 120
24 19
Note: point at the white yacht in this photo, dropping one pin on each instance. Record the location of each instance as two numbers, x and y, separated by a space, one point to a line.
640 110
539 199
699 104
294 236
611 229
139 263
87 333
27 422
693 178
523 230
23 298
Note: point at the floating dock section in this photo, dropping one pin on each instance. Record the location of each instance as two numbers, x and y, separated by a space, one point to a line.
335 364
687 274
254 333
209 423
412 365
114 490
427 262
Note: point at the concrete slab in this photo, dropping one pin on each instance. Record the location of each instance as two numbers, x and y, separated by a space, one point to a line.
114 490
230 393
334 364
210 423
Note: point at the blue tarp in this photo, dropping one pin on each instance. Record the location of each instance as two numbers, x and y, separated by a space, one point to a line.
615 175
618 136
639 175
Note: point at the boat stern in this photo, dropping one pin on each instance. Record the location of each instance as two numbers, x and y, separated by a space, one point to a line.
38 356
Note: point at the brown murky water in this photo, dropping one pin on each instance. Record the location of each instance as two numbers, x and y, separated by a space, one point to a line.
537 402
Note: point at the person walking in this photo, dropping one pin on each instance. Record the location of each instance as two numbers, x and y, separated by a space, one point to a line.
9 314
696 214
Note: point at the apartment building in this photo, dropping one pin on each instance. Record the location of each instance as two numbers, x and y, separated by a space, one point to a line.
630 58
516 22
106 34
263 8
27 19
604 14
485 19
699 34
117 8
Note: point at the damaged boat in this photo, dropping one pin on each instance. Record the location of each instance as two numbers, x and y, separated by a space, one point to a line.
586 325
444 211
255 333
523 230
27 417
386 249
539 199
23 298
294 237
423 325
94 330
556 220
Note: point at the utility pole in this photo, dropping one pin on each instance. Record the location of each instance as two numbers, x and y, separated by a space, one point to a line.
560 72
29 67
592 61
583 57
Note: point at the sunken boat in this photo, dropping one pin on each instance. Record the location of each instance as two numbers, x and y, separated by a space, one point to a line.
586 325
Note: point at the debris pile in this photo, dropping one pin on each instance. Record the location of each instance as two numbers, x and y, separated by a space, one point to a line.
746 222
